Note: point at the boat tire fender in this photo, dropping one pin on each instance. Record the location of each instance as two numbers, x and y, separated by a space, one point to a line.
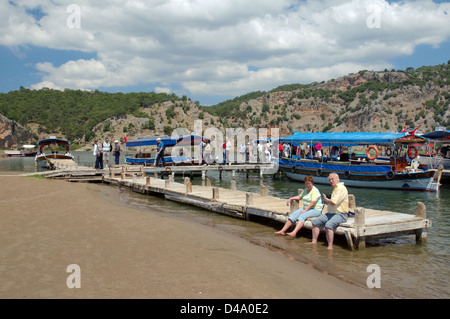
390 174
388 151
319 172
347 174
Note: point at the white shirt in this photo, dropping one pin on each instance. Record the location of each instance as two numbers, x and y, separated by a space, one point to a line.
106 147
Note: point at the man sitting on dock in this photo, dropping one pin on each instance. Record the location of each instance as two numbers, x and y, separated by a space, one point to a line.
337 211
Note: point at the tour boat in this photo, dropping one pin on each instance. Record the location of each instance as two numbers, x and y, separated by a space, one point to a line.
399 172
52 149
24 151
145 157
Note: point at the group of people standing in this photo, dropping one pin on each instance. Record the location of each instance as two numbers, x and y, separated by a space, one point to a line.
102 152
337 212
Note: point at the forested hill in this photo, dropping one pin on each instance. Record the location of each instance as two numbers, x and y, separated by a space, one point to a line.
364 101
74 113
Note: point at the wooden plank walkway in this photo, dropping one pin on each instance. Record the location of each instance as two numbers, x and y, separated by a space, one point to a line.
367 223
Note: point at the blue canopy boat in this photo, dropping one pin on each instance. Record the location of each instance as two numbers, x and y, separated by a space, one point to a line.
394 172
439 154
145 158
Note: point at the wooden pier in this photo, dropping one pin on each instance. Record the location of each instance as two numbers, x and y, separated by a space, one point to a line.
365 225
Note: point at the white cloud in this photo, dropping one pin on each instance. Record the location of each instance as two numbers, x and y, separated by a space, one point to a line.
207 46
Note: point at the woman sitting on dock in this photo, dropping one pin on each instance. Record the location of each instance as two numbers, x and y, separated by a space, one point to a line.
312 207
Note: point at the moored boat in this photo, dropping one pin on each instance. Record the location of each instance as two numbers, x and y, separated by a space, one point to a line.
52 149
396 172
144 157
24 151
439 154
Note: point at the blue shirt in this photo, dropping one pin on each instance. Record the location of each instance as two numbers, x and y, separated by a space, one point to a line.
161 146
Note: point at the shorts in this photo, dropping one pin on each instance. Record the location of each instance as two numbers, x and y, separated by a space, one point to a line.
106 156
331 221
296 216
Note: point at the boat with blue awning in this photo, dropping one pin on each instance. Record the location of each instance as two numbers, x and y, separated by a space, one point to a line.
182 141
398 169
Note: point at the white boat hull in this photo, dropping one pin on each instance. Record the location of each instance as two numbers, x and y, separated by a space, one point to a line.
43 160
407 183
434 162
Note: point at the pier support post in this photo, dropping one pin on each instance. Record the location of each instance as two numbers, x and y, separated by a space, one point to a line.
203 175
147 181
208 182
294 205
421 212
188 187
263 190
360 222
248 199
233 174
233 185
351 203
215 194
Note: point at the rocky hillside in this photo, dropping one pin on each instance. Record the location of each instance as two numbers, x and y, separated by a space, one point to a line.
12 134
366 101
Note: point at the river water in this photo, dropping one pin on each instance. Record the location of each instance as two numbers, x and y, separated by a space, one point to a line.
408 270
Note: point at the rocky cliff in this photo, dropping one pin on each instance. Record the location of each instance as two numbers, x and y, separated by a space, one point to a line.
13 134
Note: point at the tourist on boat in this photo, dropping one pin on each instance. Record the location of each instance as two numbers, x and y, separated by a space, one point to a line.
312 207
337 211
116 152
160 153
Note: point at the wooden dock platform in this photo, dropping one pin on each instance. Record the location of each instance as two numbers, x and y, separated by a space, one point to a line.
366 224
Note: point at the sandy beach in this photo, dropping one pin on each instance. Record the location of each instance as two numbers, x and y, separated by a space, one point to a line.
47 225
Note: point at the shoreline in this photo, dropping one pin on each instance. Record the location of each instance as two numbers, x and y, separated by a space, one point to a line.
128 253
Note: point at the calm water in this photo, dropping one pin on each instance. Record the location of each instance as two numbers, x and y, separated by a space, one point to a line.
408 270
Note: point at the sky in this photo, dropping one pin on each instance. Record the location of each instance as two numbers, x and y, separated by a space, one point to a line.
212 50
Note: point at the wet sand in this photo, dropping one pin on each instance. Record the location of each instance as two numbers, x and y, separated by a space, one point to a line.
47 225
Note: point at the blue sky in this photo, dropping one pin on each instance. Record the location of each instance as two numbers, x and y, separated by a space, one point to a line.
213 50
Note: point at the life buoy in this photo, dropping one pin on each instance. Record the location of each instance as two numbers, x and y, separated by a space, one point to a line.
372 147
410 152
388 151
390 174
319 172
347 174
